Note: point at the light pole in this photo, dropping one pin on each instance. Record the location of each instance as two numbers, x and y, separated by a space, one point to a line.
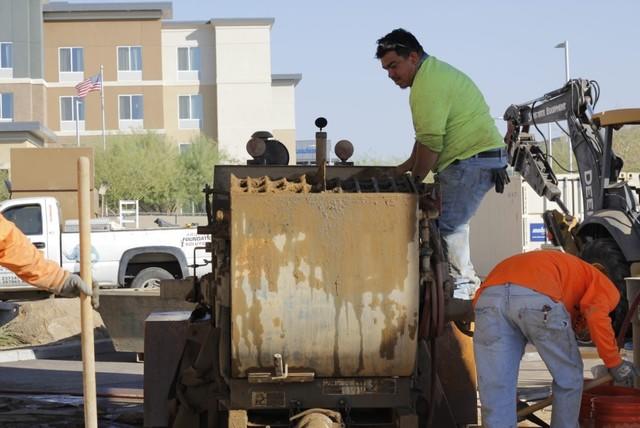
565 45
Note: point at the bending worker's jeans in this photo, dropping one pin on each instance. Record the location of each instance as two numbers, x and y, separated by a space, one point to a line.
507 317
463 185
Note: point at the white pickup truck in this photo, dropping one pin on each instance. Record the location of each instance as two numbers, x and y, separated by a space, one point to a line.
136 258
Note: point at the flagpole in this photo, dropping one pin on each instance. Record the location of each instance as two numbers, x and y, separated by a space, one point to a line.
104 137
77 122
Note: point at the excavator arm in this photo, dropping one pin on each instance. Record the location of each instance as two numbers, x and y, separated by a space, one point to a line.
573 103
608 234
598 166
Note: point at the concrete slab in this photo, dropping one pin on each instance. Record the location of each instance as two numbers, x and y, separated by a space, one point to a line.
70 350
113 379
48 393
123 381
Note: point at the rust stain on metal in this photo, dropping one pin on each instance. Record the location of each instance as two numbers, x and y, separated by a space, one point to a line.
329 280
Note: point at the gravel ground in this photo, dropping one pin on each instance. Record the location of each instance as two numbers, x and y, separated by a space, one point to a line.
52 320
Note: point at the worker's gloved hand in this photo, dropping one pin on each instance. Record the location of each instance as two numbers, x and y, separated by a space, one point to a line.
624 373
500 178
73 285
95 297
599 370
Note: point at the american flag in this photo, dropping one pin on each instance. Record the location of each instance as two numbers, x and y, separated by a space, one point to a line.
93 83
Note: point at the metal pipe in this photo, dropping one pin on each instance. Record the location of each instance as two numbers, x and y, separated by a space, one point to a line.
321 158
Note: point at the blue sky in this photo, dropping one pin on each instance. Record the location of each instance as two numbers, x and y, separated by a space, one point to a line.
506 47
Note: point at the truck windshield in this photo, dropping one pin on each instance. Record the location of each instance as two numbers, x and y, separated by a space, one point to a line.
26 217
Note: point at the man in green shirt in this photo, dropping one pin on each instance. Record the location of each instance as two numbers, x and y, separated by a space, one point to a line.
456 138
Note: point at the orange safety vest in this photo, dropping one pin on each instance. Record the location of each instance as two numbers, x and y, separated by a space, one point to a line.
21 257
585 291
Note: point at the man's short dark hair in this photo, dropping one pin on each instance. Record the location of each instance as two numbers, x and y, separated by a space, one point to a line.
401 41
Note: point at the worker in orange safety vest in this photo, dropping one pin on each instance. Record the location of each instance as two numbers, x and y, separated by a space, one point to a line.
542 298
21 257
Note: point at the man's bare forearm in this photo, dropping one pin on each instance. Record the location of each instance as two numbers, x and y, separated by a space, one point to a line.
408 164
425 161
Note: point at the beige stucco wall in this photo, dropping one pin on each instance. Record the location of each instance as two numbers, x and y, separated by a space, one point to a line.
5 150
100 40
284 116
234 81
188 36
209 106
153 105
152 101
288 138
243 76
29 101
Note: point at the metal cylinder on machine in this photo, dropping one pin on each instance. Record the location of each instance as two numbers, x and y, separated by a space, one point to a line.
321 152
321 142
321 148
344 150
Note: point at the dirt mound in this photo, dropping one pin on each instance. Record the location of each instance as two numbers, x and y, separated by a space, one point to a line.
46 321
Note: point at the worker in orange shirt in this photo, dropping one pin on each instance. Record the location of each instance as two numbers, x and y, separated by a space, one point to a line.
21 257
540 297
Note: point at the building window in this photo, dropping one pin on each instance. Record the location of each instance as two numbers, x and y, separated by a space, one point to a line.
71 60
71 64
131 107
129 63
6 55
68 109
6 107
130 58
68 113
189 59
189 63
190 111
190 107
131 111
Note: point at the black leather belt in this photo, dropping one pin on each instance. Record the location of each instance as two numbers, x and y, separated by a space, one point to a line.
495 153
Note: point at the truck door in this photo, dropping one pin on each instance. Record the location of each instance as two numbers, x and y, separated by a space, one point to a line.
30 220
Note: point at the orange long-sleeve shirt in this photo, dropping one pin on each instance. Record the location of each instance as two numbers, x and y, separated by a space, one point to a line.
21 257
583 289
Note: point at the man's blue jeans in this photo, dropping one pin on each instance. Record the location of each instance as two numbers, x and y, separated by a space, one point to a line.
463 185
507 317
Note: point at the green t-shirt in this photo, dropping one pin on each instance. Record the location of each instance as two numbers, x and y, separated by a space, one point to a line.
450 115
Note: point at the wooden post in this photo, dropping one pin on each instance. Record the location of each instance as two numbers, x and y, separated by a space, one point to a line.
86 310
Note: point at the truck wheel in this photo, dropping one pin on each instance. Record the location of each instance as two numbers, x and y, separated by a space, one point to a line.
606 253
150 278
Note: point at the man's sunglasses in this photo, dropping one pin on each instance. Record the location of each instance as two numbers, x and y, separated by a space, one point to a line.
392 46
